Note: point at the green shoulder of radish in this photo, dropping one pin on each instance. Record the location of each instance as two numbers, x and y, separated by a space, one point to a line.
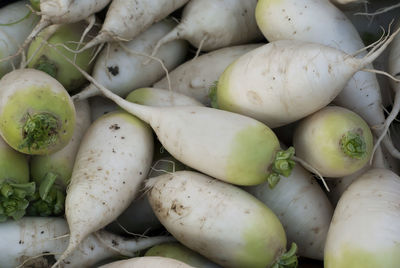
150 261
52 172
121 67
16 22
335 141
322 22
177 251
160 97
35 4
43 57
194 78
113 159
365 227
126 19
27 243
203 214
303 209
213 24
15 187
37 116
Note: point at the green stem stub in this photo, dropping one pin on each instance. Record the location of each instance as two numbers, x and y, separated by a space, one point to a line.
47 66
282 165
14 199
40 131
287 260
353 145
49 200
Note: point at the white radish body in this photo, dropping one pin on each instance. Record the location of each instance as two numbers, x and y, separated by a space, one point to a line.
212 24
113 159
12 36
33 236
194 78
321 22
365 226
302 207
121 71
160 98
147 262
286 80
126 19
204 214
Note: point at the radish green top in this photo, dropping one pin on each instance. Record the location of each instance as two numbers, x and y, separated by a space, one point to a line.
15 187
37 115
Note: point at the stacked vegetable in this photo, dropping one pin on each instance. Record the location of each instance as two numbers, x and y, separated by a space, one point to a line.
116 118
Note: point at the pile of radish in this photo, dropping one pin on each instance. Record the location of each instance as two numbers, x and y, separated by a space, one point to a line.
198 133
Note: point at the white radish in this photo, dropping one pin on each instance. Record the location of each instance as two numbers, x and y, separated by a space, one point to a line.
147 262
37 115
212 24
321 22
194 78
238 149
160 97
218 220
62 12
126 19
286 80
303 209
364 231
29 240
334 140
121 67
113 159
16 22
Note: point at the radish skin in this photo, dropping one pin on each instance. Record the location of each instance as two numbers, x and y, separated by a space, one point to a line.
121 71
321 22
160 98
212 24
13 34
181 253
194 78
112 161
303 209
364 229
147 262
38 104
126 19
204 214
286 80
32 236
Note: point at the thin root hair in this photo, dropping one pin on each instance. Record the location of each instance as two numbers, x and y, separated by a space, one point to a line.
379 11
37 256
130 233
311 169
151 57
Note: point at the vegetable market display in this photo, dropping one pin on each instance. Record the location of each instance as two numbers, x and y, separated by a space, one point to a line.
198 133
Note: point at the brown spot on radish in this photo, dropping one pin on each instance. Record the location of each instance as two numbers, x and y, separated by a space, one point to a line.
315 230
254 98
114 127
114 70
